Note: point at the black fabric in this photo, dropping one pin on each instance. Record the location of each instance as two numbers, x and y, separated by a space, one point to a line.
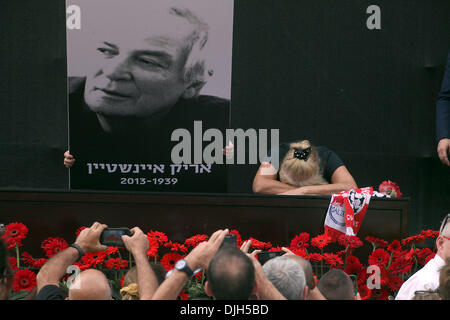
90 144
50 292
329 160
443 106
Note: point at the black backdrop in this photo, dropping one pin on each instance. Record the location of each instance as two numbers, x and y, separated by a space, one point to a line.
309 68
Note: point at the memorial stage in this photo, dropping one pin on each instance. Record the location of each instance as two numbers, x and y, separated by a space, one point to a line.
275 219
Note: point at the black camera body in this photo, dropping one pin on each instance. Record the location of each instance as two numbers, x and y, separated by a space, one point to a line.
265 256
113 236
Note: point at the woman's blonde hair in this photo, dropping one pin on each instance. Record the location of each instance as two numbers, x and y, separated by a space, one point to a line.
130 290
301 171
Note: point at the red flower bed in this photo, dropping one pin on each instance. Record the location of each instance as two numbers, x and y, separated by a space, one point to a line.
396 261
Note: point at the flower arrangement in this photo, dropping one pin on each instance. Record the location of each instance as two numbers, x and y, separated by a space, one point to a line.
394 261
390 188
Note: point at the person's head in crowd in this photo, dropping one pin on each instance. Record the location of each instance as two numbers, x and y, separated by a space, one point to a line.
426 295
231 275
444 281
90 284
301 165
130 289
336 285
287 276
5 271
307 269
144 68
443 240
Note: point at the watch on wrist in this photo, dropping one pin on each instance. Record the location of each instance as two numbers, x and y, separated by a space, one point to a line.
182 265
80 251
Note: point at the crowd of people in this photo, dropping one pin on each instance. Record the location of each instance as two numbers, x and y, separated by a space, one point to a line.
232 273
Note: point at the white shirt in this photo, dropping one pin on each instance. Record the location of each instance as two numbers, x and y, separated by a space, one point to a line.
426 278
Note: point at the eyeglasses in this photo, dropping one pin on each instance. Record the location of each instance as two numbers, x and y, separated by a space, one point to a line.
444 223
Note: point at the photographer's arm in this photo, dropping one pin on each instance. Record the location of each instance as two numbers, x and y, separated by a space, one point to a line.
265 290
138 245
55 268
199 257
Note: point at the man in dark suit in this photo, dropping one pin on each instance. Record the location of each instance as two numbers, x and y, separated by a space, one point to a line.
443 117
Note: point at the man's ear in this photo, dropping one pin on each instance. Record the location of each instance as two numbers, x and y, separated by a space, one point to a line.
193 89
305 292
255 289
208 289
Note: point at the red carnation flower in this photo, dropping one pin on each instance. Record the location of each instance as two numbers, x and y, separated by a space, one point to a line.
54 245
395 246
77 233
423 254
175 246
382 294
300 241
320 241
39 263
428 258
376 242
353 266
394 283
169 259
379 257
353 269
333 260
28 259
238 237
400 265
417 239
430 233
14 234
93 259
352 242
195 240
256 244
301 253
183 295
116 263
352 260
24 280
112 251
13 263
315 257
160 237
153 248
364 292
390 188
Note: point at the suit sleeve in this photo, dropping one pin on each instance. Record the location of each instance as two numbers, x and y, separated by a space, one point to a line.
443 106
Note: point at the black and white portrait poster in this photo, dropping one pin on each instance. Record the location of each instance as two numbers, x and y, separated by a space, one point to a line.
146 80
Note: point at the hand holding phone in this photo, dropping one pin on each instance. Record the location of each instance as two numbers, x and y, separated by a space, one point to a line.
113 236
230 239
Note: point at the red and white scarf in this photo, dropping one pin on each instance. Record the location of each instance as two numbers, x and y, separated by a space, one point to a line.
347 210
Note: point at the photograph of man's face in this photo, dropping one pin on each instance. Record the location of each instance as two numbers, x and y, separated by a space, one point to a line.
140 69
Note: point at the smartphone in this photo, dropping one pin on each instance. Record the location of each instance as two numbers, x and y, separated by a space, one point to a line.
265 256
113 236
355 284
230 239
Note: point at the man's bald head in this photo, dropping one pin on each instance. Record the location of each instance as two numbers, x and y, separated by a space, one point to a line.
90 284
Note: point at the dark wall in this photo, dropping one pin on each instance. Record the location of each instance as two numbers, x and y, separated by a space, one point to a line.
309 68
